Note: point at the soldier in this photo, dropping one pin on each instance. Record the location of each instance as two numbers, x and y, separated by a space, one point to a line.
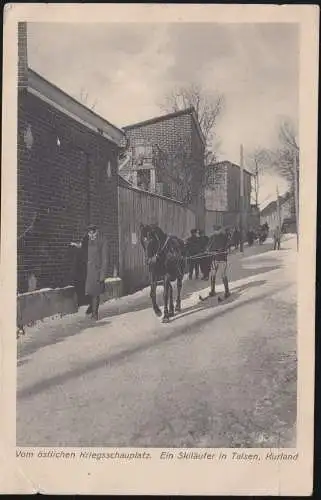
218 243
192 247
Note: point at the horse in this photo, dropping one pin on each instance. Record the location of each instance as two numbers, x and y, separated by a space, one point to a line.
165 256
263 233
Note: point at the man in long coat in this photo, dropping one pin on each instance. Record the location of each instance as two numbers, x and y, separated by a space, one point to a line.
91 269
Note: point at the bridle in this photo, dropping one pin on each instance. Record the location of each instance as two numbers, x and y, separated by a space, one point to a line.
160 248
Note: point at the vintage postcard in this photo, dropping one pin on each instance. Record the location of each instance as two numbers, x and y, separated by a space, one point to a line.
158 249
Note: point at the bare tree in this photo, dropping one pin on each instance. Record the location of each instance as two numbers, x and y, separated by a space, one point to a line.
178 168
288 159
208 107
257 161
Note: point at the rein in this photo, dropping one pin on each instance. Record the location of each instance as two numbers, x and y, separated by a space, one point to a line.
163 247
206 254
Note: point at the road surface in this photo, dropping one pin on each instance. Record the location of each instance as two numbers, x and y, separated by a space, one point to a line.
218 375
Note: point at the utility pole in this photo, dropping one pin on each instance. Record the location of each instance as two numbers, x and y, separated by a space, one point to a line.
241 197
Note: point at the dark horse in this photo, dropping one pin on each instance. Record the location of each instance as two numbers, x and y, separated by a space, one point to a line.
165 258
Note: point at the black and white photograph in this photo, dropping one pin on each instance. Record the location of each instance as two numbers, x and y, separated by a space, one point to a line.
159 174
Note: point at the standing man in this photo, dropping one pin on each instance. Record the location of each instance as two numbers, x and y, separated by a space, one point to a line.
218 243
92 260
192 247
277 238
205 262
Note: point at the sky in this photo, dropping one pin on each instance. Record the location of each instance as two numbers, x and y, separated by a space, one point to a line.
127 70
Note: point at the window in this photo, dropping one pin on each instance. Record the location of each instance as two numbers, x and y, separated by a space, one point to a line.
143 179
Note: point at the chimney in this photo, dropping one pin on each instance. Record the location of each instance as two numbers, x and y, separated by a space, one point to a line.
22 56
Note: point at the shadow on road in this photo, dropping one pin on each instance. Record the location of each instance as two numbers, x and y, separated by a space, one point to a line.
213 302
191 329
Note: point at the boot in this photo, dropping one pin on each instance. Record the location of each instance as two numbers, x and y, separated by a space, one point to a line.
212 292
95 308
227 292
89 310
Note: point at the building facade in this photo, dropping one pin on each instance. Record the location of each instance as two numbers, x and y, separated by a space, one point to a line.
166 156
270 215
222 193
67 178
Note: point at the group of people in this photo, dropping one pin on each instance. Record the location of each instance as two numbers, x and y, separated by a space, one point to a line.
262 232
197 244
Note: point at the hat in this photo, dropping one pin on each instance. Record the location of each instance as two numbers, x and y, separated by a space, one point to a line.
92 227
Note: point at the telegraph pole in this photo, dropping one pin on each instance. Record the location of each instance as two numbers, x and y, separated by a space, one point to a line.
241 197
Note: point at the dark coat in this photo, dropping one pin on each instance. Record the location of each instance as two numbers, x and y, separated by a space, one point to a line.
193 245
218 241
203 242
90 267
96 265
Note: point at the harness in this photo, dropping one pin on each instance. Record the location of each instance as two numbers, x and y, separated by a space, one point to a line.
199 256
159 251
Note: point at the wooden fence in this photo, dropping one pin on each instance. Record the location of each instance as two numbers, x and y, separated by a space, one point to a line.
136 207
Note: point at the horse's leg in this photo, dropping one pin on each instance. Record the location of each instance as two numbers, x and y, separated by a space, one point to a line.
213 279
153 287
179 289
166 290
171 302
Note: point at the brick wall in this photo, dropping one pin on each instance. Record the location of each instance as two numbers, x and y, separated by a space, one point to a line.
216 192
167 133
63 180
172 135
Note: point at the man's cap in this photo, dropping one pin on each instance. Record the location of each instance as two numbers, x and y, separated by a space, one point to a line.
92 227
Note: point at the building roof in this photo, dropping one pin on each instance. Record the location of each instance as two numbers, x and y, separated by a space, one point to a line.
272 206
188 111
224 162
122 182
53 95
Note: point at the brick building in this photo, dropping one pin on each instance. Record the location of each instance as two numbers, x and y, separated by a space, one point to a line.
222 193
167 157
67 178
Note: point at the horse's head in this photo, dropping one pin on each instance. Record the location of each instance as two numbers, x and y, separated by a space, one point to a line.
152 239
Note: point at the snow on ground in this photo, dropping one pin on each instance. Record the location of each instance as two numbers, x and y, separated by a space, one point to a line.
216 375
130 320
